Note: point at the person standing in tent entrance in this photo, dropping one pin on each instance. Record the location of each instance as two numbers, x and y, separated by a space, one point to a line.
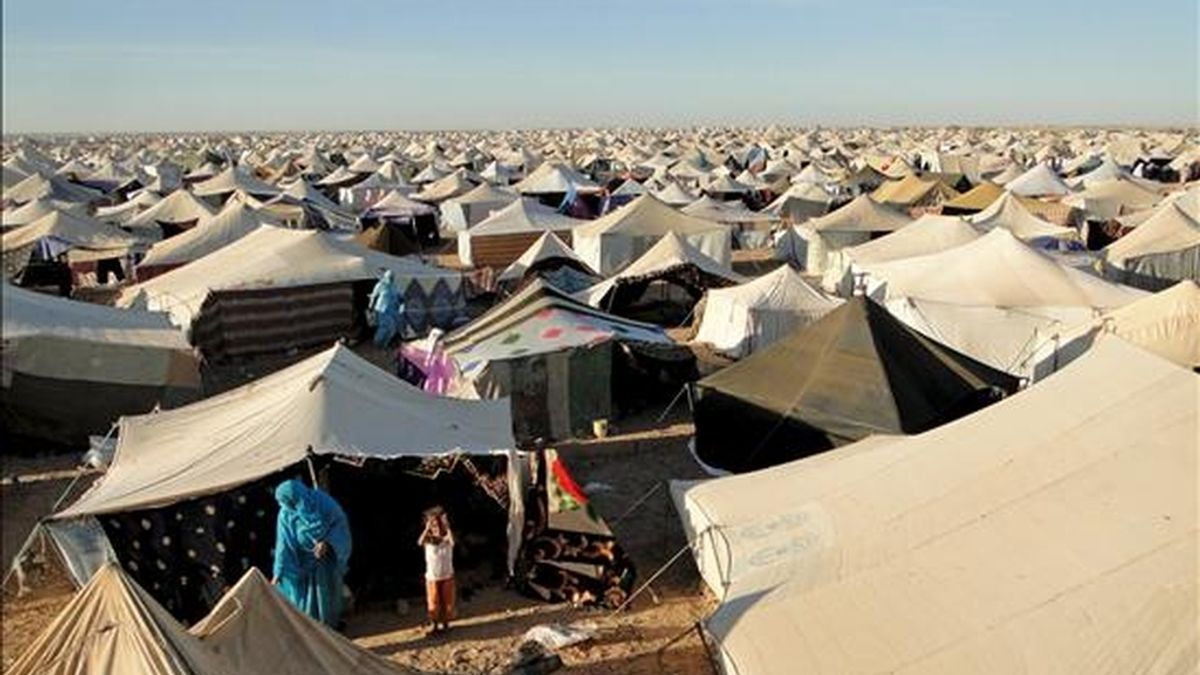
312 550
387 308
438 541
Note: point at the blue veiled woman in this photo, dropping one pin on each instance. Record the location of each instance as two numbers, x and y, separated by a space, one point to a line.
312 550
385 303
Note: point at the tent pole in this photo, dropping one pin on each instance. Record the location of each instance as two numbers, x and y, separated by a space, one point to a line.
640 500
671 405
665 566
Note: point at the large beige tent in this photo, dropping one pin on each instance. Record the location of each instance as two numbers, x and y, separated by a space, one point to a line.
926 235
113 626
468 210
615 240
995 270
1054 532
177 211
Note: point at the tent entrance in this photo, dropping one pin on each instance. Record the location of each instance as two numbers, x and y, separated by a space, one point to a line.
384 500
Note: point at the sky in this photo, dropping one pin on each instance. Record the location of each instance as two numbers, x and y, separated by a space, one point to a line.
223 65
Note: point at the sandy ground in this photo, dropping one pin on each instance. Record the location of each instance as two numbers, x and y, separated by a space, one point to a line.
618 471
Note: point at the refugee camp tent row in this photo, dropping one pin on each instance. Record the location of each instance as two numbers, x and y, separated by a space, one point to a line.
549 258
1054 531
278 289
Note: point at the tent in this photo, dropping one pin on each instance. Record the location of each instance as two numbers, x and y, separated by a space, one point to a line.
1105 200
791 246
551 178
995 270
1011 214
216 462
1166 324
914 191
671 276
1039 181
71 368
616 239
447 187
502 237
234 221
1163 249
858 371
255 627
673 194
926 235
1052 532
277 289
56 188
467 210
39 208
552 260
974 200
113 625
800 203
233 179
34 250
855 223
177 211
122 213
560 361
739 320
414 220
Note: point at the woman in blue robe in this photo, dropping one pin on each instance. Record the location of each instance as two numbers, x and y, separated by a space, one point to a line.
312 550
385 303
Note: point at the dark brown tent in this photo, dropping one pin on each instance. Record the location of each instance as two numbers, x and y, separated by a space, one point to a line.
856 372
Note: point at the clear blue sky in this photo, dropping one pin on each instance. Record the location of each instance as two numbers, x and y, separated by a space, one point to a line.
128 65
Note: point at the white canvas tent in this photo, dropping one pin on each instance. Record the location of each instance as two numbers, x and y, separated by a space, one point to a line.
854 223
212 233
738 320
926 235
275 258
332 403
995 270
502 237
615 240
1161 250
467 210
1053 532
1039 181
179 209
549 250
1009 213
1166 323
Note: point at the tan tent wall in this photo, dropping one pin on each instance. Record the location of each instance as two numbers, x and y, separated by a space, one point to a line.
501 250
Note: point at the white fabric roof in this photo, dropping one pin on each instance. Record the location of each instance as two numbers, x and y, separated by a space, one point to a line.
29 314
524 215
38 208
928 234
233 222
334 402
234 178
1170 229
180 206
271 257
616 239
739 320
547 247
1040 181
864 214
1052 532
671 251
996 270
78 231
1008 212
553 177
